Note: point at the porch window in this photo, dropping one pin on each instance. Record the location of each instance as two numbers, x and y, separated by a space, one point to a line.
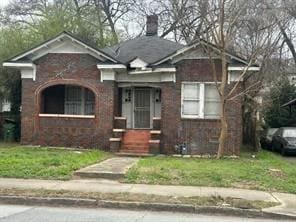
200 100
68 100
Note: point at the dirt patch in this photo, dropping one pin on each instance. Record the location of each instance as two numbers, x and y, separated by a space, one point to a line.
276 172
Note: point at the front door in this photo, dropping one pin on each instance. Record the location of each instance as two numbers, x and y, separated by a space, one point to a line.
142 108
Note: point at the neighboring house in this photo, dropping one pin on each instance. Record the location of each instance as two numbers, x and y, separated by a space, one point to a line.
144 95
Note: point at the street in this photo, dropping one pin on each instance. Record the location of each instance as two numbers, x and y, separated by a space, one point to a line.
45 214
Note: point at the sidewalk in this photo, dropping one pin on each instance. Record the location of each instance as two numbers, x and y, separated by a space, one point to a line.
288 206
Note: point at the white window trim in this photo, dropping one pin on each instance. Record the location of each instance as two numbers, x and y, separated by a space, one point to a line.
67 116
201 101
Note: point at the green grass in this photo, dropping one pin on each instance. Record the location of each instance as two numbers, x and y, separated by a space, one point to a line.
245 172
44 163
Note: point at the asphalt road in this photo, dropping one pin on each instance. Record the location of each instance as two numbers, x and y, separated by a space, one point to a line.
45 214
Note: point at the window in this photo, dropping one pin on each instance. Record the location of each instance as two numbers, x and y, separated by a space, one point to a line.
191 99
68 100
212 102
73 100
200 100
78 101
89 102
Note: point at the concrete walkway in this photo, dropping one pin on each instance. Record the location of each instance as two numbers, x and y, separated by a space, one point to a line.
107 186
113 168
288 206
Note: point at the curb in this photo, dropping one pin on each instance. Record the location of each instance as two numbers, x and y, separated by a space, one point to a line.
48 201
181 208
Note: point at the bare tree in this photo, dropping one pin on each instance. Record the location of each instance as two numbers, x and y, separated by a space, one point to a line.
284 13
113 11
182 20
230 18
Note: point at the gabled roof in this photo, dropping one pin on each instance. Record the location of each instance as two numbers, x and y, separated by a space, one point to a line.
153 50
24 56
195 44
149 48
157 51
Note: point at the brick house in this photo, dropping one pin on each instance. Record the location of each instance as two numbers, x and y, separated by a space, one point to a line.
144 95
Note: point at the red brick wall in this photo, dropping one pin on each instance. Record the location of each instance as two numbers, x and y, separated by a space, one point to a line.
200 134
78 69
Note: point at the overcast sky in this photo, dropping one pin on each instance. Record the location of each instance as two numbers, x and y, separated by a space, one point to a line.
4 2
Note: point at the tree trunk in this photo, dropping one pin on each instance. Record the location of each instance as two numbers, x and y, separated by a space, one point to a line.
224 129
222 88
223 117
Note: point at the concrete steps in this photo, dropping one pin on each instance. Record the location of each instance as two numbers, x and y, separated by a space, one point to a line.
131 154
135 141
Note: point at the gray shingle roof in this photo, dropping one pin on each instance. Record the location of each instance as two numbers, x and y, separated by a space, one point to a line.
148 48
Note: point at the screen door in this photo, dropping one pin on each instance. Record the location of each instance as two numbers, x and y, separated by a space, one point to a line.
142 108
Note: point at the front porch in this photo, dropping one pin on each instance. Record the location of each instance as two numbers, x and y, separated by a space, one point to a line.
139 104
137 130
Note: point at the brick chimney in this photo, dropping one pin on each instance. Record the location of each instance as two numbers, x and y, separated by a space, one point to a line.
152 25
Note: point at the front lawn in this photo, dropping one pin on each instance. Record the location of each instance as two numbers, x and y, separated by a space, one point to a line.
267 171
46 163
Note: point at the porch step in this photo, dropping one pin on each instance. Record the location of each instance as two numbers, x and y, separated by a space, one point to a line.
155 131
134 151
155 134
135 148
119 130
115 139
130 154
135 144
118 133
154 141
154 146
135 141
114 144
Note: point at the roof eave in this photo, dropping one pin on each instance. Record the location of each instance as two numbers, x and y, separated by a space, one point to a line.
56 38
193 45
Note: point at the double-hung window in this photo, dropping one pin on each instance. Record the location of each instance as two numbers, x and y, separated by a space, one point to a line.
200 100
212 102
191 100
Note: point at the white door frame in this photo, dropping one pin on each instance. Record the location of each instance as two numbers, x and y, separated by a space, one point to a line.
131 112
